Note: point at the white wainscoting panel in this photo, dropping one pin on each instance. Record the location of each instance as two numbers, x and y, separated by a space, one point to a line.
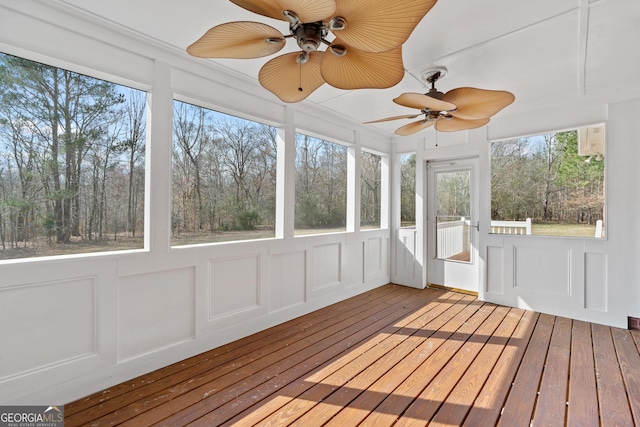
406 269
376 257
288 273
495 270
48 315
234 287
326 264
595 282
155 311
543 270
353 264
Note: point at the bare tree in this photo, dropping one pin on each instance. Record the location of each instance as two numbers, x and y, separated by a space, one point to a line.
189 143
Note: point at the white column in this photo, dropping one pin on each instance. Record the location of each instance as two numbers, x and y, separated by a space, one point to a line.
286 178
157 224
354 162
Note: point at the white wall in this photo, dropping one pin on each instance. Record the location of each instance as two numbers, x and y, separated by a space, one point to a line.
74 325
595 280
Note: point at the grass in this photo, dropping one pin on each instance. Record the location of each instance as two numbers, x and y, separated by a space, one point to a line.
564 230
42 247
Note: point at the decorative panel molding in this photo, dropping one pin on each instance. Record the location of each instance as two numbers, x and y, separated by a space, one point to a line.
155 311
234 285
595 281
375 262
57 323
495 270
543 270
326 266
287 280
405 253
353 263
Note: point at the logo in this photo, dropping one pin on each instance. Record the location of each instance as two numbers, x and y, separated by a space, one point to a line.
32 416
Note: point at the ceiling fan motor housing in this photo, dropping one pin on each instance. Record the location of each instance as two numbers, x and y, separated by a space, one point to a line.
309 36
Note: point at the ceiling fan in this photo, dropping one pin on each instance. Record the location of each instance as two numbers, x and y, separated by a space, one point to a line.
459 109
365 52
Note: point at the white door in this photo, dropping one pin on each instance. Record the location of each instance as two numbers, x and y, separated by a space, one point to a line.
452 223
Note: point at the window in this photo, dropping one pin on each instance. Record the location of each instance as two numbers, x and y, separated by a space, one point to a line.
408 190
71 162
553 182
224 177
370 190
321 186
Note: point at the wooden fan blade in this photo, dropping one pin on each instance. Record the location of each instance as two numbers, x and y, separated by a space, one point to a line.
414 127
478 103
238 40
290 81
358 69
306 10
420 101
380 25
454 124
388 119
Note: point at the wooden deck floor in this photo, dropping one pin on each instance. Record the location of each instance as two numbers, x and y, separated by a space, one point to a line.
393 356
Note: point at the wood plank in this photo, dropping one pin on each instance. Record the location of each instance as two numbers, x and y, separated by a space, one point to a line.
205 397
614 405
629 360
327 408
518 409
295 400
396 354
552 401
325 377
394 405
488 406
154 395
100 404
435 394
246 345
461 399
365 402
583 400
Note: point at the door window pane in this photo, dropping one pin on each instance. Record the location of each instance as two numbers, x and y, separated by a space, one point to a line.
408 190
453 215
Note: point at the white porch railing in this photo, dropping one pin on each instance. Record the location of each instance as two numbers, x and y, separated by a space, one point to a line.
511 227
451 238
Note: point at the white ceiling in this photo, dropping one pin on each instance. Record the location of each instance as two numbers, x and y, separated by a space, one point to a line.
549 53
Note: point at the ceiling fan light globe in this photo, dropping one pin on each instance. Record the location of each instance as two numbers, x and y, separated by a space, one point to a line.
291 17
303 58
274 40
337 23
338 50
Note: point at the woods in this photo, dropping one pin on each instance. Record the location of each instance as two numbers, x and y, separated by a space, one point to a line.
71 157
546 179
224 174
72 179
